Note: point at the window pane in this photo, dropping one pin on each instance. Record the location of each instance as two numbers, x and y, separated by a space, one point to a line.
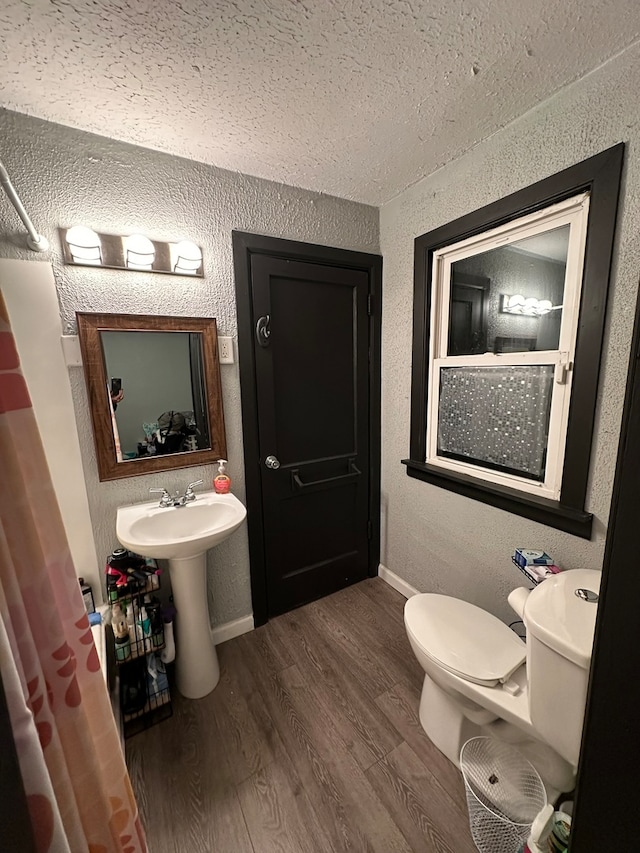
496 417
509 299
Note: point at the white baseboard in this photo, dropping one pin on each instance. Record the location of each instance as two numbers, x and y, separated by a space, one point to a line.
396 582
229 630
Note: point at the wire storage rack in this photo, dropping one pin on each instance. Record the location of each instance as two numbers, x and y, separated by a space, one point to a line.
137 639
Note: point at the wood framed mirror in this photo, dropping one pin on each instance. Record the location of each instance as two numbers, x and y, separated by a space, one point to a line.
154 392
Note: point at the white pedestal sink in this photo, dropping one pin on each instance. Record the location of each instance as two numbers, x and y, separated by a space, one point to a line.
183 535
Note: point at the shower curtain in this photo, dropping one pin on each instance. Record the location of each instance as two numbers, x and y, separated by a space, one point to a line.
78 790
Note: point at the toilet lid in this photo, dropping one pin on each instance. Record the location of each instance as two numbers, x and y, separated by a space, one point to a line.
464 639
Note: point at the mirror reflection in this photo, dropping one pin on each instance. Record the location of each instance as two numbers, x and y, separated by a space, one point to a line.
509 299
156 388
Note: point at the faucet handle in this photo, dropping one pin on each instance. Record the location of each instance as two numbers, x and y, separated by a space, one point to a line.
189 494
166 499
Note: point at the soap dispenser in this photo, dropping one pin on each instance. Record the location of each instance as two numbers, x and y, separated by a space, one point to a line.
222 483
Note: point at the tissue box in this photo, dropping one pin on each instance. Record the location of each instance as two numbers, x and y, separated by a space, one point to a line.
526 557
542 572
536 574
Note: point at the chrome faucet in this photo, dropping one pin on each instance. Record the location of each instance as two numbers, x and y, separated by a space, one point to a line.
166 499
177 500
189 494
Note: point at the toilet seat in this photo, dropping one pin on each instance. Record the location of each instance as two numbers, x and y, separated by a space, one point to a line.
464 639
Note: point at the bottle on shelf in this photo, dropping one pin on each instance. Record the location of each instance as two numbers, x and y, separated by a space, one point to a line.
87 596
154 612
131 624
144 635
120 632
168 654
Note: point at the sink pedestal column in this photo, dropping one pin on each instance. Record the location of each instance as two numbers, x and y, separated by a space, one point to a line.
197 668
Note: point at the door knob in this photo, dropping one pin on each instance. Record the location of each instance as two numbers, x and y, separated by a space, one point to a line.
272 462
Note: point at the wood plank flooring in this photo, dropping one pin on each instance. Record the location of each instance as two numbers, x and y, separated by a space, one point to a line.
311 743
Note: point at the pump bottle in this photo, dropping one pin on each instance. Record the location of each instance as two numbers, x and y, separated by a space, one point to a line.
540 832
222 483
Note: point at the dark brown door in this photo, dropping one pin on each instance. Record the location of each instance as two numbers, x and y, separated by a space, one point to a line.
310 345
468 314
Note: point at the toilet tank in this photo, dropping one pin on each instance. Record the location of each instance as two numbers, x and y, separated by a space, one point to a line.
560 621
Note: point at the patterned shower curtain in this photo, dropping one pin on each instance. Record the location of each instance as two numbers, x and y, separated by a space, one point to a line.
78 790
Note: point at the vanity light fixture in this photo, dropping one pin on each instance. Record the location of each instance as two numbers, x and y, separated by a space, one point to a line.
186 257
83 246
527 306
139 252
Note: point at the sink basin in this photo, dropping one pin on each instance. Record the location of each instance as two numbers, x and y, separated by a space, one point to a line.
183 535
168 533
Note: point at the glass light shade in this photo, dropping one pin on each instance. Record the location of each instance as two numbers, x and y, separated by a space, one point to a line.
139 252
515 303
527 306
186 257
84 245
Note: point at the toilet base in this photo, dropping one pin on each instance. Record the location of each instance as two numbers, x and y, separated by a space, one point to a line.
445 723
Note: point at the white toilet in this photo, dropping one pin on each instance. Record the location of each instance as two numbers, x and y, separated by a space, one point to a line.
482 679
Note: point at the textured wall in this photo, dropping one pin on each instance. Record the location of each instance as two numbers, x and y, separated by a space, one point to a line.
67 177
439 541
359 99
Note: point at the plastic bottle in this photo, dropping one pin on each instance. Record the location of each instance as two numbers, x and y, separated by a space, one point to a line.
131 625
118 622
122 647
167 655
561 831
155 618
116 572
120 632
540 831
87 596
222 483
144 624
152 676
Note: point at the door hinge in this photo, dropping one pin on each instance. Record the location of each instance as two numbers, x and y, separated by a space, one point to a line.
369 304
369 530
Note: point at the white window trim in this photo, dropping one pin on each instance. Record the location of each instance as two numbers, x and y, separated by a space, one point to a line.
573 212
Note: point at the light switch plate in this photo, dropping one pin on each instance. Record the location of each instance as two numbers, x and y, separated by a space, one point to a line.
71 350
225 350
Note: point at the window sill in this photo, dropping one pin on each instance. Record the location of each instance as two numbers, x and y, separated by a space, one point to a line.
542 510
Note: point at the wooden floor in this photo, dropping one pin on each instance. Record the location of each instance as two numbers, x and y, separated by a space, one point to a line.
310 743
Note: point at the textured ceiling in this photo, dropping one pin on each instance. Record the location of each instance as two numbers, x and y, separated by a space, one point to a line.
356 98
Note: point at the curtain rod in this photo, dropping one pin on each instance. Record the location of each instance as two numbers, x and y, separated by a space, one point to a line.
35 241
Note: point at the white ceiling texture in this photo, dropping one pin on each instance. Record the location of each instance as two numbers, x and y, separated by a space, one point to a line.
355 98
